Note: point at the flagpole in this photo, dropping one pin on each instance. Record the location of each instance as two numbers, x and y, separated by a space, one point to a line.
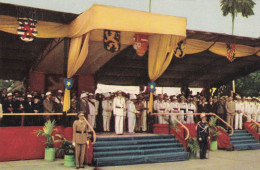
150 5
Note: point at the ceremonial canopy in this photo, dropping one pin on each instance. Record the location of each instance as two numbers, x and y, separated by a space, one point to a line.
121 47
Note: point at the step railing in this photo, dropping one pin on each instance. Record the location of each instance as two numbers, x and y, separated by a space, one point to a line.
49 114
255 122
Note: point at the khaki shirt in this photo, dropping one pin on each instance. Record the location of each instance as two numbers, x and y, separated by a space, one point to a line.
80 132
231 107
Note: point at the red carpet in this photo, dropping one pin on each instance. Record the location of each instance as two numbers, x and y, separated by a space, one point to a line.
251 130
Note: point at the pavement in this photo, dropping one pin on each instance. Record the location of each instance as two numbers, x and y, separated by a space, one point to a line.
219 160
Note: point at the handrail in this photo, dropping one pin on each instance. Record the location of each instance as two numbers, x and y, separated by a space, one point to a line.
50 114
172 115
252 120
213 114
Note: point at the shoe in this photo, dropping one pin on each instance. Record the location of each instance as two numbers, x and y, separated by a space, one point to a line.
82 167
77 167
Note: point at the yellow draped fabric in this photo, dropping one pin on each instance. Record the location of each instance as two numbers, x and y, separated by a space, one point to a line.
196 46
161 50
100 17
77 55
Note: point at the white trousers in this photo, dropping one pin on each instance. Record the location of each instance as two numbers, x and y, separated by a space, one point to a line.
119 124
160 119
238 121
249 116
131 124
181 117
190 118
106 123
92 120
258 117
143 121
254 116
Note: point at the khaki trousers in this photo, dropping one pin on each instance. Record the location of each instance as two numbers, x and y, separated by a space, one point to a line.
80 150
230 119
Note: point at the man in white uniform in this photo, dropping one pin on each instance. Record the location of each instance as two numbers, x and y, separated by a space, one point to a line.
131 113
93 110
107 106
183 109
191 110
240 109
249 108
119 108
161 107
174 107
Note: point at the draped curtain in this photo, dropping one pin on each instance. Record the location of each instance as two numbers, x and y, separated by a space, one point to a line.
161 51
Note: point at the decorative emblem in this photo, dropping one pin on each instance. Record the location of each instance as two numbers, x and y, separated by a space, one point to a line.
68 83
112 40
179 51
26 30
141 43
151 86
231 52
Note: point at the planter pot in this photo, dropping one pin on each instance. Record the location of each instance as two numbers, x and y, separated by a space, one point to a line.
192 155
214 145
49 154
69 160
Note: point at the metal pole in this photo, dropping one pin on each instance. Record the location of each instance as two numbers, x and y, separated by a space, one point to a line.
150 5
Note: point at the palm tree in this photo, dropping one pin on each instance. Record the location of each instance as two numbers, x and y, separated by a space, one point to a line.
233 7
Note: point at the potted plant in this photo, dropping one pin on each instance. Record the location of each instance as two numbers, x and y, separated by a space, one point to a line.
193 147
46 131
213 130
67 149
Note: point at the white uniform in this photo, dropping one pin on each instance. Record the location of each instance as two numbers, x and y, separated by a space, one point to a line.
119 109
249 110
183 110
162 108
255 110
93 105
131 111
144 117
258 112
107 106
174 108
191 110
240 110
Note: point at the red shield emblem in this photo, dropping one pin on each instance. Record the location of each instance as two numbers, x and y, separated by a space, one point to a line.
231 52
26 30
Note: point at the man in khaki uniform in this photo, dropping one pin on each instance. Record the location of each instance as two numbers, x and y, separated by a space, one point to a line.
80 139
48 105
231 111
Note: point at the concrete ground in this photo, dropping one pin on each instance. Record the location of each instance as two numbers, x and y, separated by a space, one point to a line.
219 160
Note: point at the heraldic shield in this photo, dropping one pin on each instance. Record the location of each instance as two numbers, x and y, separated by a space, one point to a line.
112 40
26 30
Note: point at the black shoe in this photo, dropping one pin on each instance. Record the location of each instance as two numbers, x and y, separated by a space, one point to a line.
82 167
77 167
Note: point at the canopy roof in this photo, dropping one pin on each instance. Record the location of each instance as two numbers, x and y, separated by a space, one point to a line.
124 67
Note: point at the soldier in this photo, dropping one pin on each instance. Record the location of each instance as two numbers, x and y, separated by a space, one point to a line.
174 107
58 98
107 106
93 110
231 110
131 113
203 135
48 105
191 110
249 108
161 108
144 115
239 113
258 110
82 105
119 109
37 108
183 109
8 107
80 139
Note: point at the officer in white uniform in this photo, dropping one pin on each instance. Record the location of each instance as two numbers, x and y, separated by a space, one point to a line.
131 113
174 107
240 109
107 106
93 110
191 110
161 107
258 110
119 109
144 115
183 109
249 108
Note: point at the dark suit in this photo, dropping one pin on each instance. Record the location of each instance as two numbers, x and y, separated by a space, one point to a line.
202 136
8 107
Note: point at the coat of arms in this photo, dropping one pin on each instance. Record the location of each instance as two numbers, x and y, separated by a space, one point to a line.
26 30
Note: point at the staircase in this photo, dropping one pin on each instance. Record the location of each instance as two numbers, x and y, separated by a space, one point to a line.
137 150
242 140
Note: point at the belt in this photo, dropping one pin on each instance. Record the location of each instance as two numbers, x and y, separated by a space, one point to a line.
184 110
119 107
190 110
81 132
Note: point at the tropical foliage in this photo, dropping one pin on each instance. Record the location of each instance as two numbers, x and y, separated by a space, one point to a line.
193 145
254 126
66 148
213 129
234 7
47 130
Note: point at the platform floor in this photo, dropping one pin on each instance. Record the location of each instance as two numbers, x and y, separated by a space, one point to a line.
224 160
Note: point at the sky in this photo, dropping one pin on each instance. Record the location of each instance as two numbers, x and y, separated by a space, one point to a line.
202 15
